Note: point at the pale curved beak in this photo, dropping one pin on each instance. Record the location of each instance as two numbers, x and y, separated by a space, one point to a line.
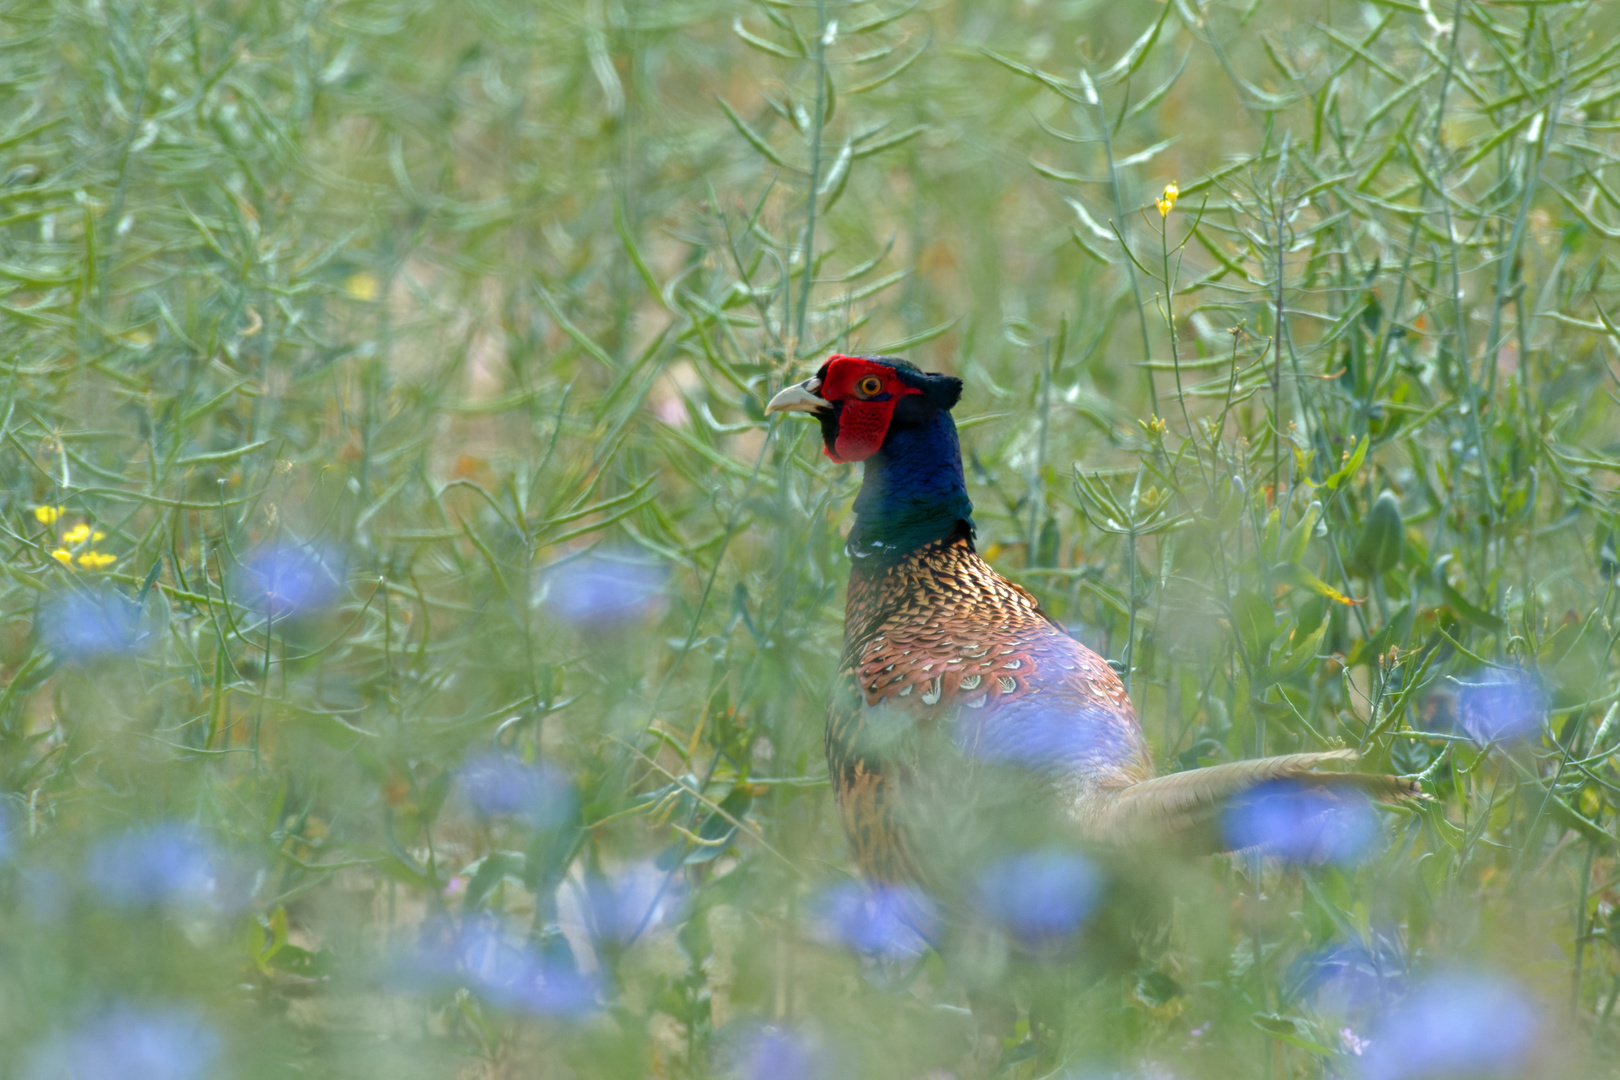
800 397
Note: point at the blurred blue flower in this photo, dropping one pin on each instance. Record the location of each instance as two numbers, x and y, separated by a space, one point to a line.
1040 897
501 786
288 580
166 863
131 1042
629 904
775 1053
600 592
1350 978
1456 1024
501 965
85 625
1302 823
1503 707
880 920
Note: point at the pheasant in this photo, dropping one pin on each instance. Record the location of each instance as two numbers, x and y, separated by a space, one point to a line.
950 671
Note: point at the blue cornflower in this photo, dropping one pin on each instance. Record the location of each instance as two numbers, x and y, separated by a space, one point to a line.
1455 1024
132 1042
168 863
86 624
1040 897
1502 707
499 785
504 967
601 592
1302 823
880 920
286 580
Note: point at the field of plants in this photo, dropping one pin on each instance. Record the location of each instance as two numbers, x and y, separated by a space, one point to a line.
414 636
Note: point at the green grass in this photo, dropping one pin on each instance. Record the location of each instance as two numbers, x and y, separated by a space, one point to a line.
456 292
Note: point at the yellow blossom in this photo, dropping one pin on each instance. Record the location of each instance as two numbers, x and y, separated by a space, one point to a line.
98 535
1591 801
361 286
1167 202
47 515
63 556
77 535
95 560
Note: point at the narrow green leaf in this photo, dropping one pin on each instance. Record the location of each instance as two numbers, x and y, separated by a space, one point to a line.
753 138
1128 63
1255 624
769 47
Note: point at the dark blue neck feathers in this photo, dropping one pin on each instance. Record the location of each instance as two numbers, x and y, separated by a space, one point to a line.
913 492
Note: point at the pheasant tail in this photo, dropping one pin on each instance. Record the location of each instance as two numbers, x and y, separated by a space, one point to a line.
1184 808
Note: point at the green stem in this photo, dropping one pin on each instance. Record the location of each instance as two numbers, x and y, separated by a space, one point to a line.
808 250
1175 348
1130 263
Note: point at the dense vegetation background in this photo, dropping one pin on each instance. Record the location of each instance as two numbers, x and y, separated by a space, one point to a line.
414 638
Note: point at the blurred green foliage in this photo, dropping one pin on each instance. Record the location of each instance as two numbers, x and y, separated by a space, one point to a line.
409 361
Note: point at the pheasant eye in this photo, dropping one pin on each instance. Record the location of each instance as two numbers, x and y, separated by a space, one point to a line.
871 386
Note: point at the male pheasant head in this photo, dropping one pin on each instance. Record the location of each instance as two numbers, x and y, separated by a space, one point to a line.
860 399
897 419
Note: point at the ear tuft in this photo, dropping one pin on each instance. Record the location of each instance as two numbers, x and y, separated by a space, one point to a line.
943 390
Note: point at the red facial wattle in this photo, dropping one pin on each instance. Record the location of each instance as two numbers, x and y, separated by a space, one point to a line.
862 426
863 417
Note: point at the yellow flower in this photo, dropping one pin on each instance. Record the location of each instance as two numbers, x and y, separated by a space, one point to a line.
1168 202
1591 801
361 286
47 515
98 535
63 556
77 535
95 560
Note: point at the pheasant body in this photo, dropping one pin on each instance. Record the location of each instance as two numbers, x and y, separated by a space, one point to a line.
938 642
950 672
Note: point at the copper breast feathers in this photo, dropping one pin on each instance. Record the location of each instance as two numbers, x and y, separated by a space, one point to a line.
942 638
